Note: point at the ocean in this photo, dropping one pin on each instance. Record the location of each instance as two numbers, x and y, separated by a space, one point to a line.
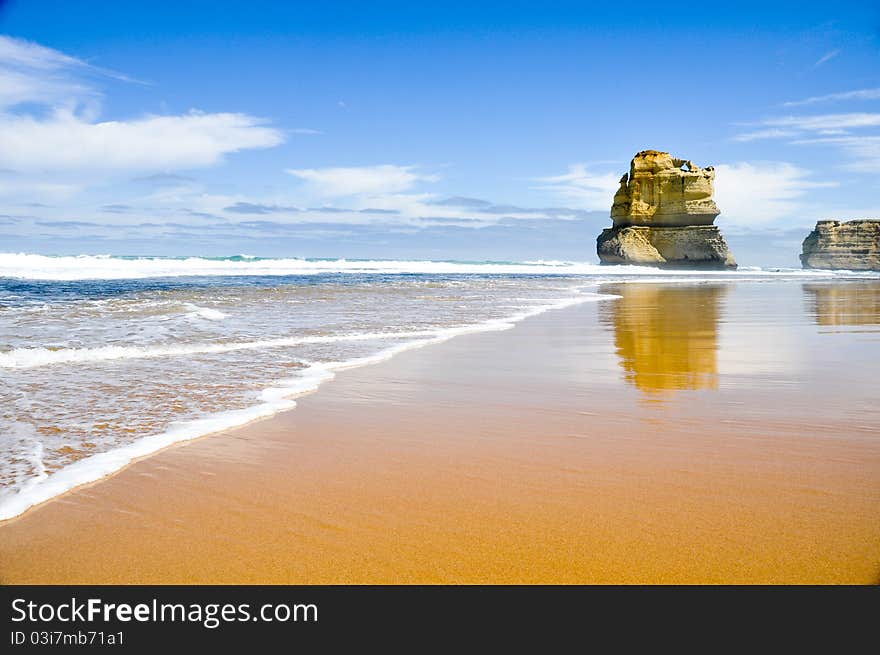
105 359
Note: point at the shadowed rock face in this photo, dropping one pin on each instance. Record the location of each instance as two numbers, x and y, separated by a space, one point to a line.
854 245
696 246
663 214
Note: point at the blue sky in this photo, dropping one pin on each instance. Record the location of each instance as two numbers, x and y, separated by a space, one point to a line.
440 130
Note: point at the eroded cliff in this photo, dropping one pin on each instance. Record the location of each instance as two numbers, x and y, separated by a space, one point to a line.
663 214
853 245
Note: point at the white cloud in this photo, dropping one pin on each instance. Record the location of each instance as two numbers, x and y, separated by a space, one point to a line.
25 189
18 52
586 190
758 193
826 121
64 136
830 129
357 180
18 87
185 203
863 150
791 126
66 142
861 94
30 72
769 133
828 56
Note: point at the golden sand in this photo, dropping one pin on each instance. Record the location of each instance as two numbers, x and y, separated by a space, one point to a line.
583 446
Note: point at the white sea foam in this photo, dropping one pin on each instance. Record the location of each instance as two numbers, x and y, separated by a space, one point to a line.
206 312
28 467
34 357
273 399
104 267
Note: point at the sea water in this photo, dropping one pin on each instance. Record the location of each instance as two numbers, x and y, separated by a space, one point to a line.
105 359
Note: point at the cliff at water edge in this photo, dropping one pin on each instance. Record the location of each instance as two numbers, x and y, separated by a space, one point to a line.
851 245
663 215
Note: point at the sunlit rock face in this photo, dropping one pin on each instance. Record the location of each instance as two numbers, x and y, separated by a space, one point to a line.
663 214
853 245
661 190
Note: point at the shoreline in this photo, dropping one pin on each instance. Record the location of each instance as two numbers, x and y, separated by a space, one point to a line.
498 457
274 400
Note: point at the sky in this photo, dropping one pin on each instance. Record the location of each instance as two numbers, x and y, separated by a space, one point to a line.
470 131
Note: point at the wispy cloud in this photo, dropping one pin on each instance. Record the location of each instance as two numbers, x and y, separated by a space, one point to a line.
838 130
799 126
863 150
23 189
769 133
164 179
759 193
461 201
63 134
825 121
29 55
586 189
359 180
30 72
115 208
394 210
375 210
828 56
65 142
258 208
860 94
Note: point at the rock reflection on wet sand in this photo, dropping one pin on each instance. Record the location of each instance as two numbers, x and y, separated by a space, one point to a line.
666 335
852 304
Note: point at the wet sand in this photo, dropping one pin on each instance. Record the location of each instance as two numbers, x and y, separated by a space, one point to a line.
679 434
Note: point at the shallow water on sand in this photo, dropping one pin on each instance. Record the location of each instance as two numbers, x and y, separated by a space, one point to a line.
91 366
709 431
802 342
98 371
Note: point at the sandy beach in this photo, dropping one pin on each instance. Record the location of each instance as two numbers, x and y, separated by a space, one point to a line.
648 439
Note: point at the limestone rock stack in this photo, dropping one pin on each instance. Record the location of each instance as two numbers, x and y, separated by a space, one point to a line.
853 245
663 215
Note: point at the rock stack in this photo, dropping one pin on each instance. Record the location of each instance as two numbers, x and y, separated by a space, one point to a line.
663 214
853 245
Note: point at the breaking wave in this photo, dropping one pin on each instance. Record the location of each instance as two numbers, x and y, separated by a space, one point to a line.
106 267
